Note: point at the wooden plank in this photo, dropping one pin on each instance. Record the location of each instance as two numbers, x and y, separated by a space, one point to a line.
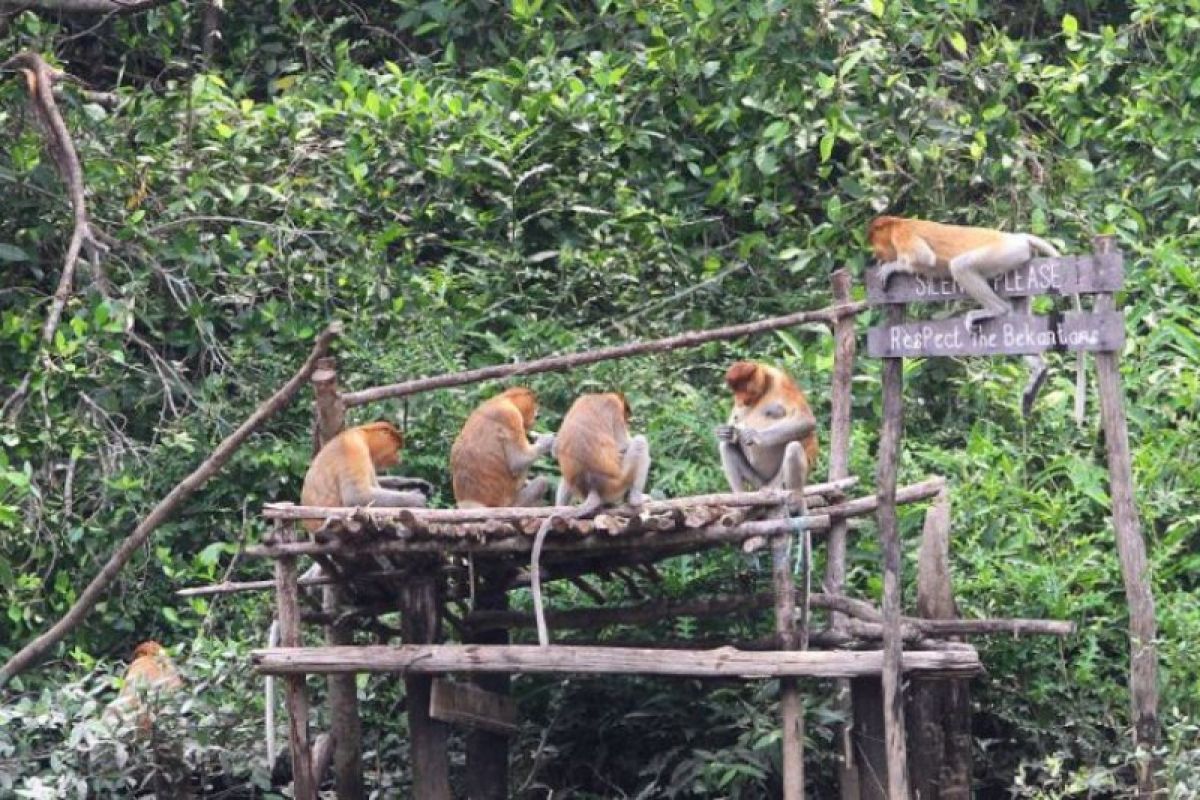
1131 550
1014 334
419 622
889 540
725 662
472 707
1088 274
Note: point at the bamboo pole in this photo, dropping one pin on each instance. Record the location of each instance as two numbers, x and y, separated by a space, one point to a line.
1131 549
827 316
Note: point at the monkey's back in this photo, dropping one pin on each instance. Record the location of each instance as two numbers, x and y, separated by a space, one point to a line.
948 241
783 390
478 465
322 483
589 446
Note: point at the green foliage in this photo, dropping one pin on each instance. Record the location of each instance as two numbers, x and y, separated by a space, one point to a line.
464 187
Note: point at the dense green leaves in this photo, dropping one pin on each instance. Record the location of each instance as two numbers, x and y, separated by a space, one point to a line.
464 186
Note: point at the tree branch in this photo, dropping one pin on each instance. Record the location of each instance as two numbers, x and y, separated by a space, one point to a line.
82 6
166 507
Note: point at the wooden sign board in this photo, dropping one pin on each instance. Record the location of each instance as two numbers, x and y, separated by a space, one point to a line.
1064 275
464 704
1008 335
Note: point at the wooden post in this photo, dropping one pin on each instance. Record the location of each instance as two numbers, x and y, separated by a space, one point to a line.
1131 549
487 751
345 723
889 535
939 709
420 625
288 596
868 737
841 399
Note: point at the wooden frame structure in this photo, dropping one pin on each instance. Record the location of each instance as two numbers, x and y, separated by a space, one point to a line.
423 561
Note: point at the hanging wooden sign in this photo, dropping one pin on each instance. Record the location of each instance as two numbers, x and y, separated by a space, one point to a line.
1063 275
1008 335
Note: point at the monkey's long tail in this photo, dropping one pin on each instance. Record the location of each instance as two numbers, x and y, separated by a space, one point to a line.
590 506
1080 377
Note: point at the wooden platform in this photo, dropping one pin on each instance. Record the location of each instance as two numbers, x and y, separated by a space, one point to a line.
725 662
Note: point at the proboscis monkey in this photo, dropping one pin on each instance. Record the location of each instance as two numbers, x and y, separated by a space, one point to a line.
150 675
770 441
600 463
972 257
344 472
492 454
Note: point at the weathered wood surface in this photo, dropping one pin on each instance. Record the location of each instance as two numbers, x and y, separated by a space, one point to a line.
419 621
472 707
431 516
1013 334
555 363
1131 549
567 659
1087 274
889 539
569 540
304 786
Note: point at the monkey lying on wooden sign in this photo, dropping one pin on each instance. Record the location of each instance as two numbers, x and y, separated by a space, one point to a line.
972 257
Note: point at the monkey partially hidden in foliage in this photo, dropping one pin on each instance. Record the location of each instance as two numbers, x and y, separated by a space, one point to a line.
972 257
600 463
492 454
151 674
770 441
344 472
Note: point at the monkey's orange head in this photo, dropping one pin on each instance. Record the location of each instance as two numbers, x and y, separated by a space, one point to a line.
385 443
748 381
149 648
525 399
879 234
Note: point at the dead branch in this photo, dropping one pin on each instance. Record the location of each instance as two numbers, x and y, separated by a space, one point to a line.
166 507
40 78
82 6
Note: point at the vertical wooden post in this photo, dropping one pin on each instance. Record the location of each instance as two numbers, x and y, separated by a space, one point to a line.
345 724
288 597
420 625
889 536
841 399
939 709
791 707
1131 549
487 752
868 736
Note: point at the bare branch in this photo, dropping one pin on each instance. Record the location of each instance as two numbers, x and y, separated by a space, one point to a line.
166 507
82 6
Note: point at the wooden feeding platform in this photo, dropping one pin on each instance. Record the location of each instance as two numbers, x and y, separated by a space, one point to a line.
448 572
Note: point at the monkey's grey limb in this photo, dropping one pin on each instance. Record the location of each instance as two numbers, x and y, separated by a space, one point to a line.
520 460
787 430
972 270
636 463
533 493
738 471
394 499
793 473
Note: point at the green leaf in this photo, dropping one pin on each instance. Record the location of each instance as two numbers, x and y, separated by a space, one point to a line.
827 146
958 42
9 252
1070 25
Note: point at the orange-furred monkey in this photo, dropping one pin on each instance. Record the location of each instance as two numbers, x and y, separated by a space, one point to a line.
343 473
150 674
972 257
492 454
600 463
770 441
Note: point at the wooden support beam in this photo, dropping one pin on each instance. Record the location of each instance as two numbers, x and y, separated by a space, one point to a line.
487 750
463 704
419 624
724 662
841 402
1131 549
889 535
827 316
287 595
